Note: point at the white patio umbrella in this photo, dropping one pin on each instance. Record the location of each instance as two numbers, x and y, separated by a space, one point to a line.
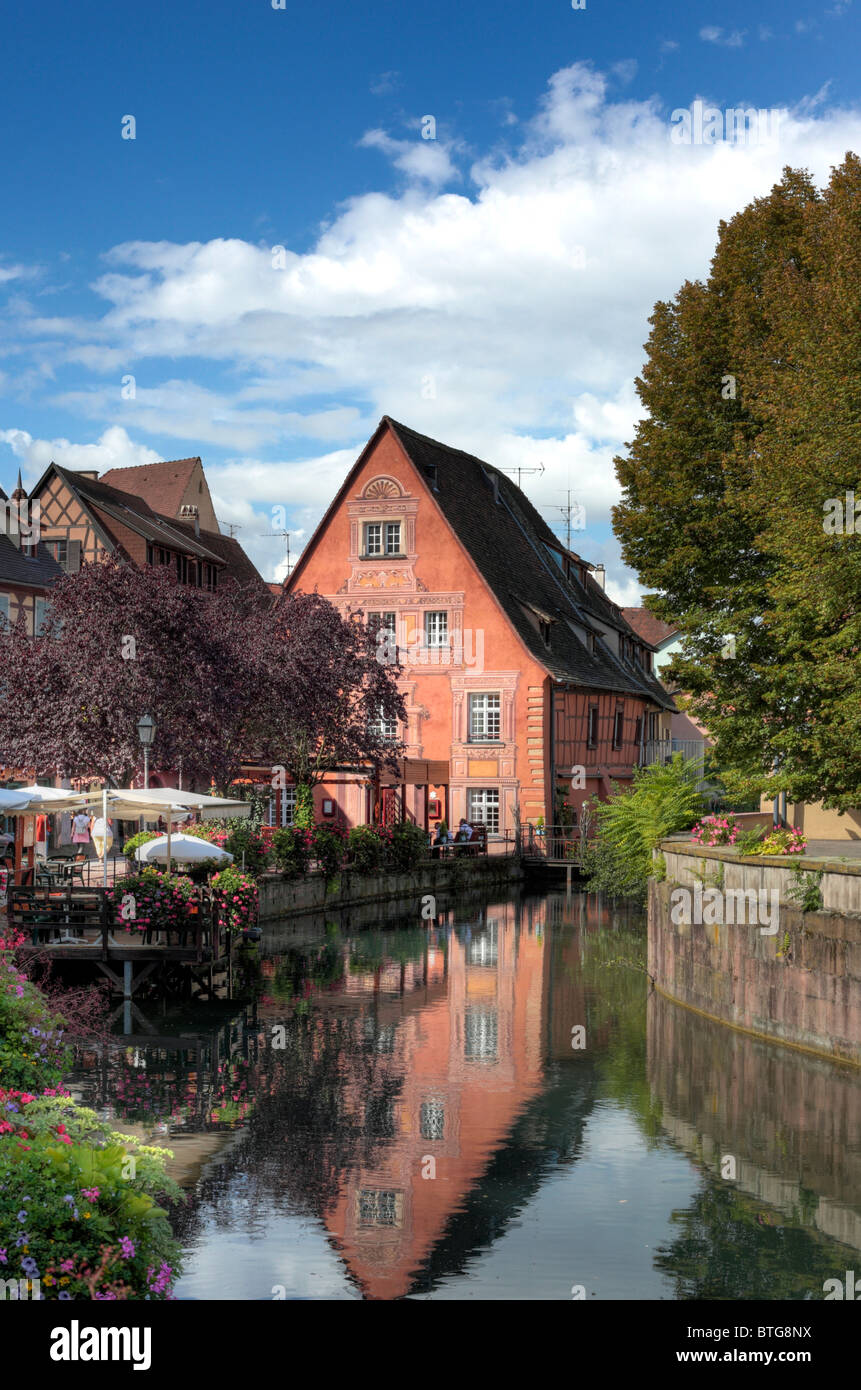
186 849
129 803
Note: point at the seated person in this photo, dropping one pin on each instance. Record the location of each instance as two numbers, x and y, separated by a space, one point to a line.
442 837
464 831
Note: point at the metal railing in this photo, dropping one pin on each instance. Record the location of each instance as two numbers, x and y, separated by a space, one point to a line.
554 842
662 750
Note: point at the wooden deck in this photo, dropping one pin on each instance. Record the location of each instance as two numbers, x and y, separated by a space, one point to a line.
78 924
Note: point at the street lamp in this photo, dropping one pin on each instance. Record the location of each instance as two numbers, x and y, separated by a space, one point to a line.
146 734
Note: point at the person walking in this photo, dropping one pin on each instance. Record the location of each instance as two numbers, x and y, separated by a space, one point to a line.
103 836
81 833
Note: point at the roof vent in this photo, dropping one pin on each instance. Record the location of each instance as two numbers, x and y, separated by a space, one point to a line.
430 471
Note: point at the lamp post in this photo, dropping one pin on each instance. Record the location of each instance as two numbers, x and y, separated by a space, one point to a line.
146 734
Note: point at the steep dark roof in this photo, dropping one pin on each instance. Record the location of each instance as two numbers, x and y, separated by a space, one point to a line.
227 548
39 571
512 547
138 515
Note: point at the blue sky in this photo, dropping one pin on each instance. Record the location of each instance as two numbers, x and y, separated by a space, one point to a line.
489 286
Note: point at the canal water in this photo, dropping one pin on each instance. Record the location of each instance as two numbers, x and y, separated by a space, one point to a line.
492 1105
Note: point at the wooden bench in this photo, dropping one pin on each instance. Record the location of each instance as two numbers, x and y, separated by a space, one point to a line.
476 844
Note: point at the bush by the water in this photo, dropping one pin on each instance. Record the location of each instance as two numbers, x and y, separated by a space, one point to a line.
664 799
366 849
292 850
79 1203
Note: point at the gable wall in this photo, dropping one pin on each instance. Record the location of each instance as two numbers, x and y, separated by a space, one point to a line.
438 575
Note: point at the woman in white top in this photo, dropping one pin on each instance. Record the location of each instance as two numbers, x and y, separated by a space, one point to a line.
81 832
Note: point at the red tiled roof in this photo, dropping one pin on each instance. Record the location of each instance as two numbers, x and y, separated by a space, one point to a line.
162 485
647 626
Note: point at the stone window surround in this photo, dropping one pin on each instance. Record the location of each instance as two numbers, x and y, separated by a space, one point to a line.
501 683
402 509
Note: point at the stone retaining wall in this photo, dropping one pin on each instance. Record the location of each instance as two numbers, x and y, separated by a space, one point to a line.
801 985
445 878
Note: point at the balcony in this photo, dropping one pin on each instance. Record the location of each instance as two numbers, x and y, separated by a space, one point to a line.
662 750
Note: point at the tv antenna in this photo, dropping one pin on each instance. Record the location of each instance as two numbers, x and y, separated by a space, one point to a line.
539 470
231 526
285 536
573 509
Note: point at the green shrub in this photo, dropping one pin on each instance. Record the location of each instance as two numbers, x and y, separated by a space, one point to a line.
135 841
85 1201
805 889
303 815
408 845
366 849
329 848
33 1050
292 849
663 799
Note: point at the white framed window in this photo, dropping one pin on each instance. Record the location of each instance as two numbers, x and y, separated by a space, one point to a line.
288 805
373 538
393 538
384 728
483 808
40 616
4 609
484 717
436 629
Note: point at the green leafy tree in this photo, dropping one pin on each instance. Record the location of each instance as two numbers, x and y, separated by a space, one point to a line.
753 393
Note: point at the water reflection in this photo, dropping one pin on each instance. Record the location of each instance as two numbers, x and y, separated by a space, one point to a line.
401 1111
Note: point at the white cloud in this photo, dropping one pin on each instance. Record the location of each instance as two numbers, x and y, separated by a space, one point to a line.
113 450
507 318
424 161
713 34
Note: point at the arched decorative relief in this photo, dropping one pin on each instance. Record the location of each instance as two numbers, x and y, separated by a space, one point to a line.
382 487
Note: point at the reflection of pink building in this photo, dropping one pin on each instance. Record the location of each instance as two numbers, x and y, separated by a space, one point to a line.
470 1060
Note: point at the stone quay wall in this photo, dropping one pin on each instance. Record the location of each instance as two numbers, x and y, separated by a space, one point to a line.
800 984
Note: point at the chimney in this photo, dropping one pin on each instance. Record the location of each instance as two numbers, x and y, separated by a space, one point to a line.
599 574
190 510
88 473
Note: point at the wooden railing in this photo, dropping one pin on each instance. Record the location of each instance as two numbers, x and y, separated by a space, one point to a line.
87 917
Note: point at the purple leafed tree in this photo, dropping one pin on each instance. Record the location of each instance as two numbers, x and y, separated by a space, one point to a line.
321 696
121 642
